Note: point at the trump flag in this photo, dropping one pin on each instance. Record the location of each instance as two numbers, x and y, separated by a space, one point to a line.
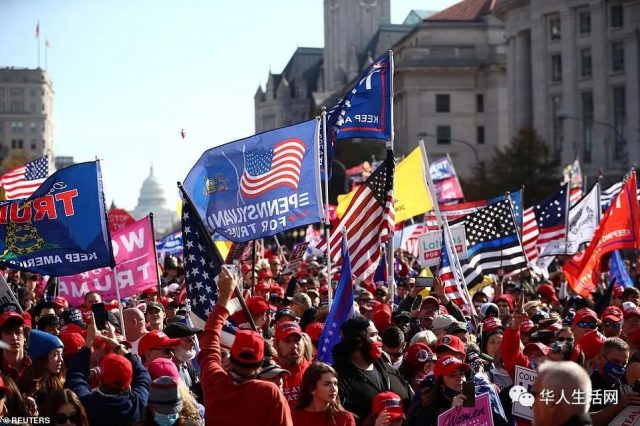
62 228
259 186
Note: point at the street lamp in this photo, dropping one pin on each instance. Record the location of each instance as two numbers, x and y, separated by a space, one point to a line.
467 143
619 139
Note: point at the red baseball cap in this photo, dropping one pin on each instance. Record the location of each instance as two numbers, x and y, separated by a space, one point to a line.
286 329
72 342
548 292
156 339
382 317
450 342
265 273
633 312
390 402
591 343
163 367
535 346
505 298
262 286
527 326
584 314
314 330
247 348
612 313
60 302
447 365
11 316
117 371
257 305
419 354
491 324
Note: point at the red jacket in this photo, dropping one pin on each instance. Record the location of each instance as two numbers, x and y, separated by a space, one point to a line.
511 353
254 402
291 384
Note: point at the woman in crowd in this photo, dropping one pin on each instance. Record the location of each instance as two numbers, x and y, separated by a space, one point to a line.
47 372
165 403
417 364
386 411
63 407
319 404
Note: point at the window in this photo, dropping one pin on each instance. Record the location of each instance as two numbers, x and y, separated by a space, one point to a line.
617 57
585 63
442 103
33 126
444 135
554 29
33 144
587 125
616 16
619 119
16 143
480 135
480 102
584 23
556 67
558 129
17 126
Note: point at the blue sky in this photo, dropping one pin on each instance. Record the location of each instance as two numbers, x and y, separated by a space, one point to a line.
128 75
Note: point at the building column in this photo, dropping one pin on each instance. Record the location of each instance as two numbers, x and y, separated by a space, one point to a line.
522 77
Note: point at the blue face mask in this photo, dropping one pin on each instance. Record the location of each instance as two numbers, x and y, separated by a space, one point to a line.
165 419
613 371
533 364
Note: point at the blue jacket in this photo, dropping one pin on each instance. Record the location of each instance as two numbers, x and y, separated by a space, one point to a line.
122 409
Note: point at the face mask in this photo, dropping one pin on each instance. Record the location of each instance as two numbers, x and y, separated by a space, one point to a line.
165 419
450 393
183 355
613 371
376 350
534 364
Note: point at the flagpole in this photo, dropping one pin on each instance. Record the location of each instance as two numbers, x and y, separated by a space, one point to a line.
155 254
390 248
327 223
566 212
444 224
203 230
46 53
253 266
513 217
117 284
280 253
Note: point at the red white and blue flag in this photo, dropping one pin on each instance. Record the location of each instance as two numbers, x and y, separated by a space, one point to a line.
22 181
445 272
551 217
277 167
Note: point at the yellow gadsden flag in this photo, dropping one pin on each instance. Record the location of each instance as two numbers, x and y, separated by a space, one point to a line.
409 189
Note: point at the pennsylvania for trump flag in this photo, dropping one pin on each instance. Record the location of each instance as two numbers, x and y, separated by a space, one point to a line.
369 221
365 111
492 242
341 309
22 181
201 264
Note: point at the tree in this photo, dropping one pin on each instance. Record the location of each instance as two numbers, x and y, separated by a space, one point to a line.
526 161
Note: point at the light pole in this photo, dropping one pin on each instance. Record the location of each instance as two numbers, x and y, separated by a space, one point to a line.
619 139
467 143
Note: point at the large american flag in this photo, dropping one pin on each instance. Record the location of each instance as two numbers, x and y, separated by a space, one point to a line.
530 235
22 181
492 242
202 264
369 221
272 169
551 217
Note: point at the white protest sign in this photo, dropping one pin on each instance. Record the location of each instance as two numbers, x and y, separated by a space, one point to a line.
430 246
525 377
630 416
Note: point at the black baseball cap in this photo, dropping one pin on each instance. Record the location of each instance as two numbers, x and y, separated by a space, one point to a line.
179 329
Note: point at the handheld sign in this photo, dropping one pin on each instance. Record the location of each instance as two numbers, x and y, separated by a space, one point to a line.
525 377
478 415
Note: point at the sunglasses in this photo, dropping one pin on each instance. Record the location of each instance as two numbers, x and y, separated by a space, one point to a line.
612 324
63 418
565 339
585 324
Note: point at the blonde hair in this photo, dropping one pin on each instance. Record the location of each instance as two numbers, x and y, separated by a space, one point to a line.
307 347
189 410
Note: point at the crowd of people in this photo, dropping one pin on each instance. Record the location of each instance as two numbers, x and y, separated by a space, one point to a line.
404 359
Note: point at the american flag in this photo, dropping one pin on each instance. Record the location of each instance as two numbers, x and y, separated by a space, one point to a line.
341 309
272 169
369 221
202 264
492 242
551 217
574 196
445 272
23 181
530 235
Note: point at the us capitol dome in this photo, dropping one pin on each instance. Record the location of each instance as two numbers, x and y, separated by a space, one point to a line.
152 200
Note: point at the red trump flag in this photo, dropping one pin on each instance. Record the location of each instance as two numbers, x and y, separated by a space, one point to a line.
617 230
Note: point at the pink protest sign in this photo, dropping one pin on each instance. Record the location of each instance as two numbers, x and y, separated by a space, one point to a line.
133 249
479 415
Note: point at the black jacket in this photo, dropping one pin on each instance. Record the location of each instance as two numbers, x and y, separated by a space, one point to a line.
357 391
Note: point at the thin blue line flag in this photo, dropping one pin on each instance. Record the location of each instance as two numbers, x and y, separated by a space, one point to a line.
341 309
